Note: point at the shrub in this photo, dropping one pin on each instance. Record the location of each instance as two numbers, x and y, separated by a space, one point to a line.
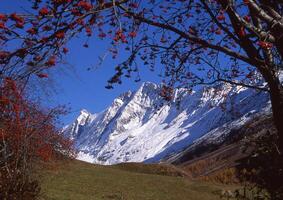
28 134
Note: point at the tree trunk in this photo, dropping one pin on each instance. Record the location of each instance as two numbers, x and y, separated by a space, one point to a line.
276 96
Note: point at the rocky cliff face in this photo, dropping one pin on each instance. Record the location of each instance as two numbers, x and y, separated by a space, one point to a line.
140 126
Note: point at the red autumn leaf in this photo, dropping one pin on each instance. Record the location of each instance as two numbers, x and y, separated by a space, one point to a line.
42 75
2 25
3 17
221 17
242 32
32 31
44 40
4 55
65 50
20 25
247 18
37 58
51 61
62 1
133 34
22 52
120 36
88 31
218 31
47 28
75 12
102 35
265 45
43 11
17 18
85 5
80 21
133 5
60 35
246 1
116 39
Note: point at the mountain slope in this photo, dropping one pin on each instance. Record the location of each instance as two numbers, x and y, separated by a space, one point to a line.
212 157
140 126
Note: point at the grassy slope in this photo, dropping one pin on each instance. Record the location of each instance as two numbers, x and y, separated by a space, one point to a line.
82 181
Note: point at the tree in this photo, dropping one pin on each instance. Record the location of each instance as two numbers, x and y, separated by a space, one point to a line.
196 41
28 135
230 41
261 172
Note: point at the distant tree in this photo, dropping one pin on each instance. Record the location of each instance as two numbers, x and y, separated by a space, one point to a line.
28 136
197 42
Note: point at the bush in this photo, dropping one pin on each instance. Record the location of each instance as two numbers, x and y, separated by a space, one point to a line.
28 134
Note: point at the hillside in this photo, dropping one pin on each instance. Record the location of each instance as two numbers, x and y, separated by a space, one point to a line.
78 180
219 159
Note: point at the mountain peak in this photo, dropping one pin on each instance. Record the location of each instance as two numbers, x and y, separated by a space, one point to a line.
149 85
134 129
83 116
84 112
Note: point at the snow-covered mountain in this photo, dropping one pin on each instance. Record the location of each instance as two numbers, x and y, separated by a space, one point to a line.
140 126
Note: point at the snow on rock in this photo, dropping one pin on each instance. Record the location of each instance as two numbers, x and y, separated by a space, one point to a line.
141 126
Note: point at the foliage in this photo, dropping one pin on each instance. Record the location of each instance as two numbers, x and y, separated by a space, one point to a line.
262 172
224 176
28 135
197 42
188 36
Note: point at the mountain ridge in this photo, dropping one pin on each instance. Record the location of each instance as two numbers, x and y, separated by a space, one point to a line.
142 127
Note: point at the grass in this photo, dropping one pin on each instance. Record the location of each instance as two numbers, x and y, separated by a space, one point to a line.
157 169
82 181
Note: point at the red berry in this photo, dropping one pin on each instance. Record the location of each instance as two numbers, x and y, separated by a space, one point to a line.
85 5
133 34
42 75
246 1
43 11
60 35
51 61
221 17
102 35
65 50
242 32
218 31
20 25
134 5
265 45
17 18
3 17
247 18
2 25
32 31
88 31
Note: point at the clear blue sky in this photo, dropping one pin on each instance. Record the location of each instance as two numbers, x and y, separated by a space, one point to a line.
78 88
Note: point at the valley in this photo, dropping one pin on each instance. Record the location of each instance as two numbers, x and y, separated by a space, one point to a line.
76 180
